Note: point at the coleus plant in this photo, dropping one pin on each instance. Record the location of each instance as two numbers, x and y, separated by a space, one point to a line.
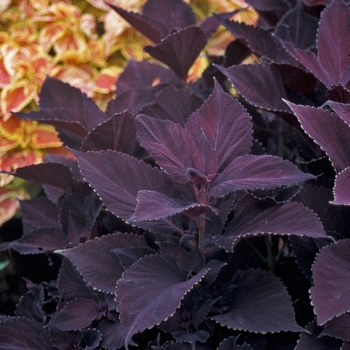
164 220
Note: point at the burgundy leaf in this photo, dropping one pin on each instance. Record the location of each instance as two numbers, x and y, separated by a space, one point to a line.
144 74
40 212
267 5
169 143
331 291
117 133
260 85
342 109
260 41
42 240
205 160
128 256
150 291
338 327
328 130
147 26
339 93
250 172
24 334
62 340
57 94
117 178
71 285
77 314
179 50
225 123
298 27
333 36
78 214
342 188
94 261
173 14
312 340
134 100
286 219
113 334
53 174
174 105
230 344
260 304
31 304
153 205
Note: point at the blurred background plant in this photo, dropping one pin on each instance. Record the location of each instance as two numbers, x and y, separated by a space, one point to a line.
83 43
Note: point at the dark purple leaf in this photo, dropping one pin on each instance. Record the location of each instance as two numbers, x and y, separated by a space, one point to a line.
53 174
94 261
144 74
57 94
342 188
285 219
191 337
78 214
31 304
225 123
339 93
40 212
71 284
230 344
63 340
117 133
91 337
134 100
342 109
77 314
169 143
333 36
250 172
267 5
260 304
298 27
331 291
150 291
113 334
42 240
149 27
338 327
260 41
179 50
118 178
314 341
260 85
173 14
24 334
128 256
328 130
174 105
153 205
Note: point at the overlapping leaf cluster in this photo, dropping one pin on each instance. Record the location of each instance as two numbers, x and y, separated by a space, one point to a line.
193 219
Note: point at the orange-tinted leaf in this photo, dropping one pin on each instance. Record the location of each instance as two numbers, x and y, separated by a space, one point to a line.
44 136
4 75
20 158
107 79
50 34
70 41
16 96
